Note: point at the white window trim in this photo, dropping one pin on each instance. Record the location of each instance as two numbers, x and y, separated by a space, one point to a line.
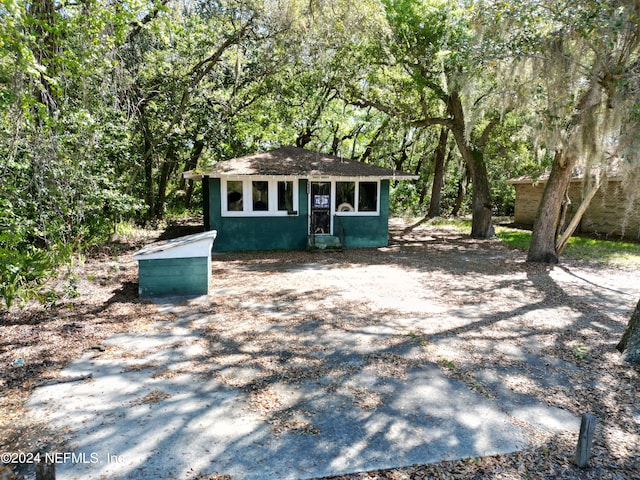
247 197
333 212
356 212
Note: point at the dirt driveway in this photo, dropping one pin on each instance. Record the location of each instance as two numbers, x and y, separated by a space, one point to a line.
519 352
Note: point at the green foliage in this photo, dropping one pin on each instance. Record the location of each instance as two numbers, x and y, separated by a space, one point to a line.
404 199
104 104
612 252
22 272
580 350
63 146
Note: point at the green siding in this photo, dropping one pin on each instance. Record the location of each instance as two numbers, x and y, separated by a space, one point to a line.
257 233
206 186
173 276
289 233
368 231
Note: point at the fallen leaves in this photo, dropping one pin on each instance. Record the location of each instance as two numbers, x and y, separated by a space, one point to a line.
513 313
154 396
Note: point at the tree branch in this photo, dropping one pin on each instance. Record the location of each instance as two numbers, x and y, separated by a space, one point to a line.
429 122
575 221
137 26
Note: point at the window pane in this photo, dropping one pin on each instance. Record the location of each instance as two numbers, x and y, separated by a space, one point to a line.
234 196
320 195
260 196
285 196
368 197
345 195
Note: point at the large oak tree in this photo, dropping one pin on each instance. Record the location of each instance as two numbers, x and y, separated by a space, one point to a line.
579 60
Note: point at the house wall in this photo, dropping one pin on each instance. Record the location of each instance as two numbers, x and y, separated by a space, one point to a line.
609 213
528 197
289 232
256 233
368 231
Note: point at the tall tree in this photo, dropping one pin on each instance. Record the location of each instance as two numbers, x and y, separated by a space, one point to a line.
435 76
195 68
60 133
438 174
581 60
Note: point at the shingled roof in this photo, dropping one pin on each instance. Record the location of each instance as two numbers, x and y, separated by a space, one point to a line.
296 162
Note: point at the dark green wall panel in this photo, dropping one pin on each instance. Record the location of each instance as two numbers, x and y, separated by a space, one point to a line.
257 233
368 231
173 276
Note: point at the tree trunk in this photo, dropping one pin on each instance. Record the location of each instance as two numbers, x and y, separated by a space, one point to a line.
575 221
166 170
629 345
368 150
481 226
562 217
545 228
438 174
304 138
147 159
192 164
463 184
423 190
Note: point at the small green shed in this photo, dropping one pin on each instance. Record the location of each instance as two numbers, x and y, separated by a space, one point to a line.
181 266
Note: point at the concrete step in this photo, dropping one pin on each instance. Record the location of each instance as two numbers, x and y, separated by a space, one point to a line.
323 242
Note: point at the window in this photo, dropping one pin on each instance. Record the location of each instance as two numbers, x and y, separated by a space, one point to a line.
367 196
260 193
234 196
345 196
356 197
285 196
258 197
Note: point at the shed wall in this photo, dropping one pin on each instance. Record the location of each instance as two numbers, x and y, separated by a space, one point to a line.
528 197
174 276
609 214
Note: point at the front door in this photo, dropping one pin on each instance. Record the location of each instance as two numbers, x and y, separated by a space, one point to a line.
320 220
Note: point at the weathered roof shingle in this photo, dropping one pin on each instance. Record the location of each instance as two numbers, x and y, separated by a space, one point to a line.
296 162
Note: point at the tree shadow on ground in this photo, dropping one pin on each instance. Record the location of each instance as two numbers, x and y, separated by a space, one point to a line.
556 335
284 354
278 388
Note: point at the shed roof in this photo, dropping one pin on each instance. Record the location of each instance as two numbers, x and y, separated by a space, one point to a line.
613 170
296 162
196 245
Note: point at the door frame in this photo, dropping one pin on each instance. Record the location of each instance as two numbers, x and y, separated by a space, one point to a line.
313 208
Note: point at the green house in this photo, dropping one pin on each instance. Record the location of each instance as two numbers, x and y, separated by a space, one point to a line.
292 198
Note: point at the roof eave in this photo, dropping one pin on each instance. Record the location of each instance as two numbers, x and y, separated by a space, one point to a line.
193 175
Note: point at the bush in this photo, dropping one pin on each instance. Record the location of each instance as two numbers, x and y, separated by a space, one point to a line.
404 199
23 272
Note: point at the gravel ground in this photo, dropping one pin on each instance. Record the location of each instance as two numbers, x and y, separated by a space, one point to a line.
513 332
